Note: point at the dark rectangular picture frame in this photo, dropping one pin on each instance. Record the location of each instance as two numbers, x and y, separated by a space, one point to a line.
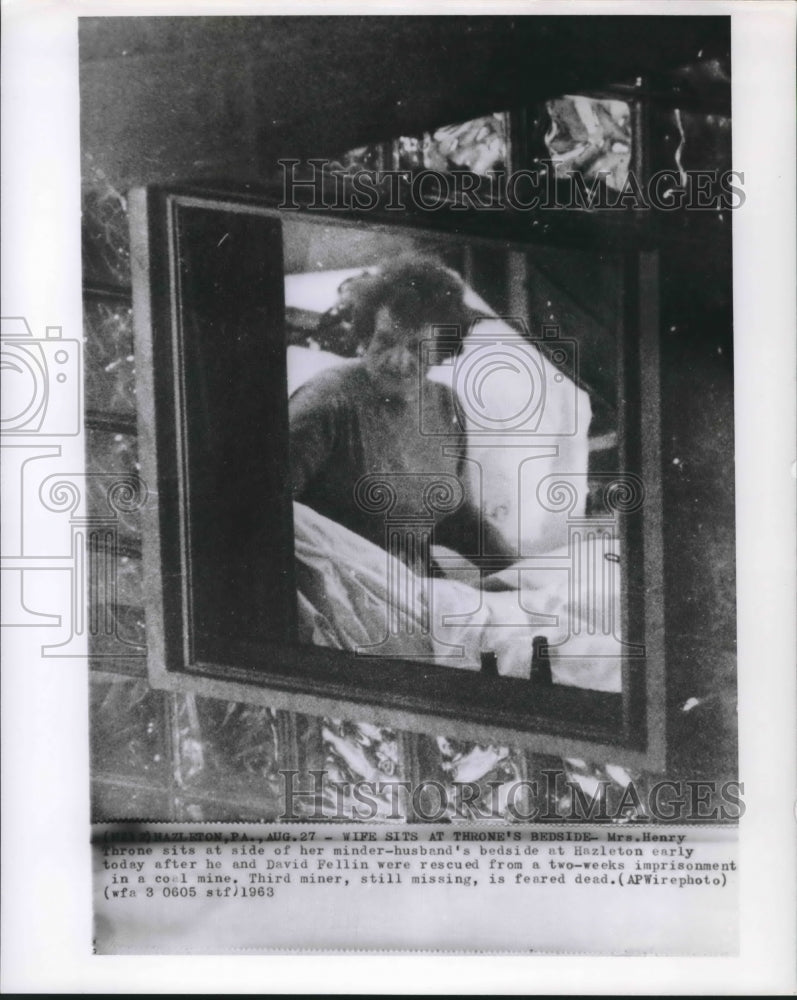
218 534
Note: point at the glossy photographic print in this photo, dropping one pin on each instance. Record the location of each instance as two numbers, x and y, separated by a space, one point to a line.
398 487
432 434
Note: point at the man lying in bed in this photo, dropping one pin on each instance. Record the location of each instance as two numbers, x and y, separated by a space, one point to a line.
380 415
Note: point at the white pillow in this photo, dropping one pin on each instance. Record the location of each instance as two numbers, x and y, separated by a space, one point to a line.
527 428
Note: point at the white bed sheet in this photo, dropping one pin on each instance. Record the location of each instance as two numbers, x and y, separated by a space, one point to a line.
570 596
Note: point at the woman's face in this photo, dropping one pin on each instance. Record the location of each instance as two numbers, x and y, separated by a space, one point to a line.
392 357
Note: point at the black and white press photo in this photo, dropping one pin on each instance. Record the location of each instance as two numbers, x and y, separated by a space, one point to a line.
422 383
400 515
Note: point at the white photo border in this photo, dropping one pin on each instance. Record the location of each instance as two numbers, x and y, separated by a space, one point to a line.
46 904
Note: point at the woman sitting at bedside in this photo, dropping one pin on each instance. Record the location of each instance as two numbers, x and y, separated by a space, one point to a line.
378 415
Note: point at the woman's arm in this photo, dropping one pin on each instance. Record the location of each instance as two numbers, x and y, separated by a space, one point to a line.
313 415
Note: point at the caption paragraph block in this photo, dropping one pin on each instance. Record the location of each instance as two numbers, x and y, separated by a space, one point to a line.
258 888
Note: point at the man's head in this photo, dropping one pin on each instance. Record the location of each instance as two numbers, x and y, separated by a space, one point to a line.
397 308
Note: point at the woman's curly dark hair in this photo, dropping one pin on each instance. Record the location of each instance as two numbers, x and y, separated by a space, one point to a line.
419 291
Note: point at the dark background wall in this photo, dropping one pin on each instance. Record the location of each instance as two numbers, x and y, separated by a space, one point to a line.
166 98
